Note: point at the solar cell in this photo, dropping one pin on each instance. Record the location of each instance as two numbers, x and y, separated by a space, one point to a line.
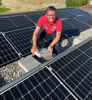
74 69
7 52
77 11
86 19
21 21
6 25
42 85
77 24
34 17
21 40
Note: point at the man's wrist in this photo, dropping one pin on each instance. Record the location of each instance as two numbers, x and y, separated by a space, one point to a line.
51 46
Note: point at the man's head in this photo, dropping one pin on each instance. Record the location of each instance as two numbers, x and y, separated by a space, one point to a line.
51 13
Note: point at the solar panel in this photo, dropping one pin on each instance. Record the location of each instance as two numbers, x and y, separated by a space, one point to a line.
74 69
77 11
86 19
42 85
34 17
6 25
77 24
66 13
7 52
68 29
21 21
21 40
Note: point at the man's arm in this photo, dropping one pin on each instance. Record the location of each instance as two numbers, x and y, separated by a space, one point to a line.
58 35
35 34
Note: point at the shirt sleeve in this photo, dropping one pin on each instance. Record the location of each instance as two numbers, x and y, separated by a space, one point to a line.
40 21
59 25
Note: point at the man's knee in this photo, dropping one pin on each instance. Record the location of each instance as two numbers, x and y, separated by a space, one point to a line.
57 45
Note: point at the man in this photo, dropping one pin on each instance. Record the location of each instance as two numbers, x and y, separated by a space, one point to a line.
48 24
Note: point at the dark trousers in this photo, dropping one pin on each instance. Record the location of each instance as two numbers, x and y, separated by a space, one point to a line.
42 34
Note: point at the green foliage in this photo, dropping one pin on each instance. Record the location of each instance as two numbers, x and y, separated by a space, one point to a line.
0 3
76 3
2 10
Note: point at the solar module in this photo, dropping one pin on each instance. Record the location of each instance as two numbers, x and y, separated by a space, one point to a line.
41 85
69 29
86 19
21 21
77 24
77 11
7 52
34 17
75 69
20 39
6 25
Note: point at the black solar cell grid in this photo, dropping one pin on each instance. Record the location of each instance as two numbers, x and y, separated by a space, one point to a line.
7 53
21 21
42 85
66 13
42 13
6 25
34 17
60 15
21 40
77 24
69 29
44 42
33 27
86 19
77 11
75 70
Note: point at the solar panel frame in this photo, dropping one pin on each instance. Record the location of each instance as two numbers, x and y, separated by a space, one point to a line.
7 52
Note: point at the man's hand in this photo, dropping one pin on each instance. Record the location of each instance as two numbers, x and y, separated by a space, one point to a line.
33 49
50 49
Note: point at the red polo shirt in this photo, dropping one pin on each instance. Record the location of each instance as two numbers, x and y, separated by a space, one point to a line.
50 27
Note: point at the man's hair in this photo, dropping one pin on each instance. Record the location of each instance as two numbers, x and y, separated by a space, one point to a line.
50 8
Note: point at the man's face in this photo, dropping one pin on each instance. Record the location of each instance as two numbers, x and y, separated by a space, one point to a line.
51 15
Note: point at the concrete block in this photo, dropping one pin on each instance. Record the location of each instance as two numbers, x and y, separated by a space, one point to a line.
28 63
43 52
